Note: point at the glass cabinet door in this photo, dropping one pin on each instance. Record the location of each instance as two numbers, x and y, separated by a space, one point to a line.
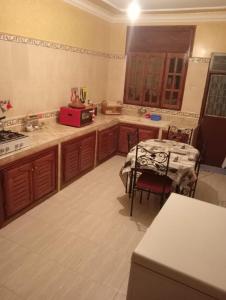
134 79
176 65
154 67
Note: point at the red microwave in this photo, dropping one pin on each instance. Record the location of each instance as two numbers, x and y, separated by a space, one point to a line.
76 117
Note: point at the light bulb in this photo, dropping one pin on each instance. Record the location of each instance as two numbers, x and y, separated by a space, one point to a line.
133 10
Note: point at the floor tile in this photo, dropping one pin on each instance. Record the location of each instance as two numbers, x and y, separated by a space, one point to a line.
6 294
78 243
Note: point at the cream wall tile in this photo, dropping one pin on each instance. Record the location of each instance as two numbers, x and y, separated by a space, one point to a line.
116 79
6 69
194 87
39 79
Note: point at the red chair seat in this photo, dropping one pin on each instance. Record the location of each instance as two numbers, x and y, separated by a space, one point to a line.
155 183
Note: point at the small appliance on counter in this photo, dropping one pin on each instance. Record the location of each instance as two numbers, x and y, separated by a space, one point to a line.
111 108
77 114
76 117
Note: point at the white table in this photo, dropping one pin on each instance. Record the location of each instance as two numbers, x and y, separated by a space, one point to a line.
182 255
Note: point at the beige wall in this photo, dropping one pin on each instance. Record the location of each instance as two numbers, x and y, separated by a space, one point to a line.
210 37
54 20
39 79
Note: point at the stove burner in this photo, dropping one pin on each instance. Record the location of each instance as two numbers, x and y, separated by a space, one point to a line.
6 136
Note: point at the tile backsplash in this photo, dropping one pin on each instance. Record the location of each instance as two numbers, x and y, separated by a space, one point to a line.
178 118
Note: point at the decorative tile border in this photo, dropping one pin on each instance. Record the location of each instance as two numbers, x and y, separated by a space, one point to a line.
204 60
164 111
18 121
41 43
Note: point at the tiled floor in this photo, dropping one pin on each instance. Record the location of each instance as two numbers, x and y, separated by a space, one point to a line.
78 244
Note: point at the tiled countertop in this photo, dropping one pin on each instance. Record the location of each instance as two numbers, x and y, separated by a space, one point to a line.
54 133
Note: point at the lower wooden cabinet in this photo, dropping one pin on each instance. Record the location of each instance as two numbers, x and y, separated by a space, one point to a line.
145 133
123 139
77 157
28 180
107 143
17 188
44 174
148 133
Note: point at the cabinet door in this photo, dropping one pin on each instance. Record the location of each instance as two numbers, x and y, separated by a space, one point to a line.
103 145
154 68
17 188
176 67
2 211
70 161
148 133
44 175
87 153
107 143
123 138
113 141
134 79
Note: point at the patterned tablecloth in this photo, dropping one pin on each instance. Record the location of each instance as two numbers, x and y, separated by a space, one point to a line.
181 165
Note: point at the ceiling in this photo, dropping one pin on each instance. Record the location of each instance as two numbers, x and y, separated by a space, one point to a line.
171 10
164 5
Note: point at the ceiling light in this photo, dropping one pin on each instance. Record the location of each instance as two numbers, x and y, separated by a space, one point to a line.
133 10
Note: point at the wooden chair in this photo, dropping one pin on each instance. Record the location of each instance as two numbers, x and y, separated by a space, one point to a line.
133 140
183 135
156 181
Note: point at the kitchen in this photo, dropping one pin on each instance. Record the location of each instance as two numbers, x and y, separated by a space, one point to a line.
46 49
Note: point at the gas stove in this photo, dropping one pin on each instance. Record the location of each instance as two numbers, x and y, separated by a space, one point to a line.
12 141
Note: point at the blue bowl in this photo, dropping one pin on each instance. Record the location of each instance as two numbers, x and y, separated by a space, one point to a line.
155 117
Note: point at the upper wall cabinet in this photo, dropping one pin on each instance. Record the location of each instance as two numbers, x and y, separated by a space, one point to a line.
157 59
155 80
173 81
144 78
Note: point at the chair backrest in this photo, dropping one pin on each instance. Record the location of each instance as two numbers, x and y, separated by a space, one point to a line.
133 138
154 161
197 168
183 135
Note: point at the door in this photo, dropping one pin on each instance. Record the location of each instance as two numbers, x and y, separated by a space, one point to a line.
44 175
87 153
212 132
17 188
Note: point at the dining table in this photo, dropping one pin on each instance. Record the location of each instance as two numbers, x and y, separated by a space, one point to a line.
182 162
